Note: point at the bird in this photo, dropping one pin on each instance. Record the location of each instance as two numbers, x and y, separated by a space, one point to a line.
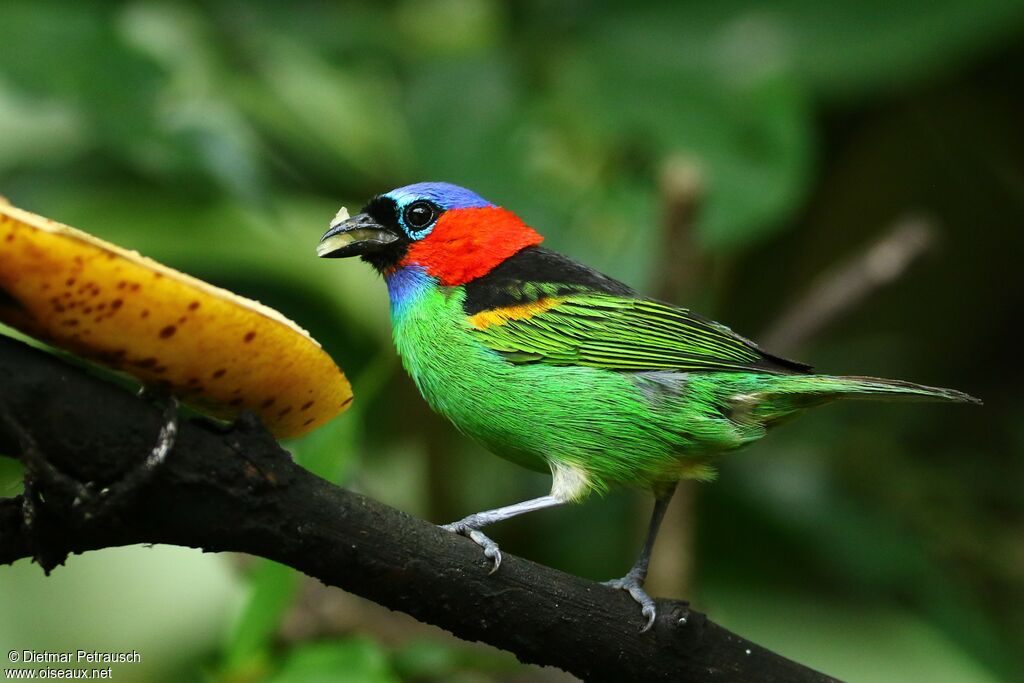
559 368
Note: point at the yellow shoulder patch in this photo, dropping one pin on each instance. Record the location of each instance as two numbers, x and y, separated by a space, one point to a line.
500 316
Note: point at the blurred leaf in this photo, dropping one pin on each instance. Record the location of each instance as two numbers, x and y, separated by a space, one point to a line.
470 26
333 451
348 116
168 603
839 48
72 50
271 589
799 527
852 641
748 138
37 131
202 128
730 85
353 660
908 40
481 143
12 472
423 659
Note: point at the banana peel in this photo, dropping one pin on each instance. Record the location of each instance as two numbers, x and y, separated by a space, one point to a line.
217 351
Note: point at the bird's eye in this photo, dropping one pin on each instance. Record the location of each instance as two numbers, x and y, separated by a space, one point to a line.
419 215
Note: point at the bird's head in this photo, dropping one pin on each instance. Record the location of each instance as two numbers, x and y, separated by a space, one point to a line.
450 232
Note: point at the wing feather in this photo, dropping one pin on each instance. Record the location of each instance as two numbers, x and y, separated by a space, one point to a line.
542 307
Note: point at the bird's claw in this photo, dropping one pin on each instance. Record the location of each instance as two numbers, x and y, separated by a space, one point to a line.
634 585
650 613
491 550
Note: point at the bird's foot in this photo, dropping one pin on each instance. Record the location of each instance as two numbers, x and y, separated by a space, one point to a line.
468 527
633 583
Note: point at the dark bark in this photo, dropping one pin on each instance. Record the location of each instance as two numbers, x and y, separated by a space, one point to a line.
235 489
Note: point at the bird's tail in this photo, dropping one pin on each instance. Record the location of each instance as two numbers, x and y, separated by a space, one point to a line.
875 388
788 395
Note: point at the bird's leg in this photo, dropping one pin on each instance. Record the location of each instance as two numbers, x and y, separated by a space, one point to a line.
633 581
470 526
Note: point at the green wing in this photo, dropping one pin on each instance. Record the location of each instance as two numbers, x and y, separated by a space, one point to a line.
618 333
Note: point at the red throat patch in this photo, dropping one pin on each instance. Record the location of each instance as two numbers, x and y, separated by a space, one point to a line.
467 243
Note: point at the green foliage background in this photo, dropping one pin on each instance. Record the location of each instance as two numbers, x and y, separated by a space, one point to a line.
875 542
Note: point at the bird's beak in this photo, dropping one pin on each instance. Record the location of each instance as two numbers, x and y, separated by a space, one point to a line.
360 234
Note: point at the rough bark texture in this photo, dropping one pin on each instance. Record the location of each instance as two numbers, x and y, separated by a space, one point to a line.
82 440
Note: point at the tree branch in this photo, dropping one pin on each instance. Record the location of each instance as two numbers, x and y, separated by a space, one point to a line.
841 288
235 489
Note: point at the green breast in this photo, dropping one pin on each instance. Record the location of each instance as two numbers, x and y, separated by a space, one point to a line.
470 385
